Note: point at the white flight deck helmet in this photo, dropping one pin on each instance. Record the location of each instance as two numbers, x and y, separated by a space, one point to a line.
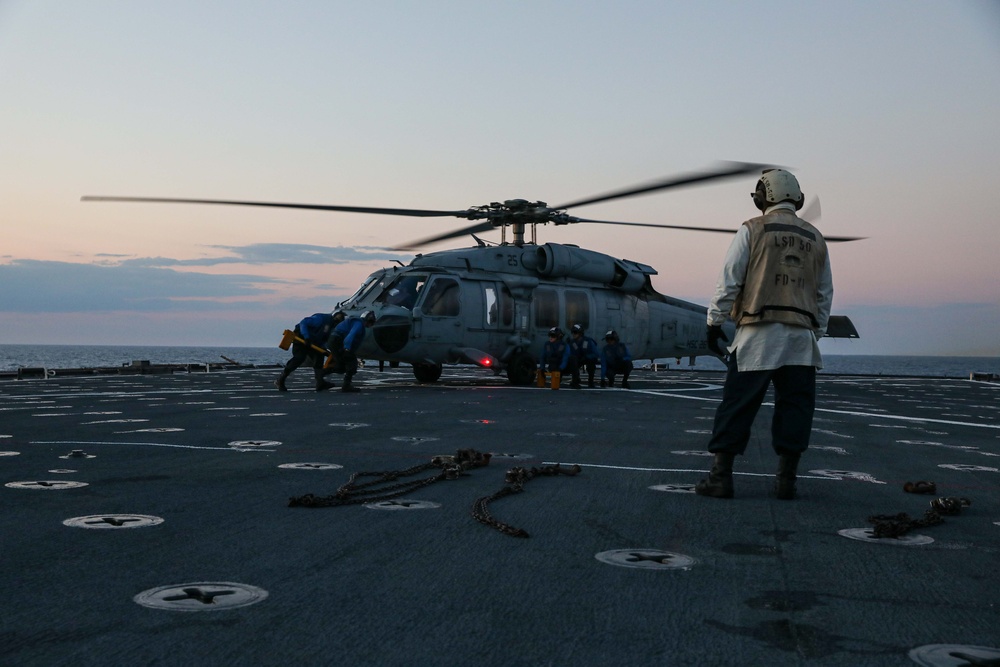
775 186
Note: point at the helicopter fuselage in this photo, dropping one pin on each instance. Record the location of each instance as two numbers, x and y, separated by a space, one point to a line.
493 306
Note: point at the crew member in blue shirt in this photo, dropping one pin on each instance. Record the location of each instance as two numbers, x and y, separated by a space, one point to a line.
344 343
585 354
555 353
615 359
314 330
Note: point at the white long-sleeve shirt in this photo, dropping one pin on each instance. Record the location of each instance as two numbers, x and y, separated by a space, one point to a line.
768 345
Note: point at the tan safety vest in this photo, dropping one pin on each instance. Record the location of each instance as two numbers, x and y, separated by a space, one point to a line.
787 255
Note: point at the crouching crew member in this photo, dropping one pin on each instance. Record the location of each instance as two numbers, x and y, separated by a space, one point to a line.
615 359
314 330
344 344
555 358
585 355
777 287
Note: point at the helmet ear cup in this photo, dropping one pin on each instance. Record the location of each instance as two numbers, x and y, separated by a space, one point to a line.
759 196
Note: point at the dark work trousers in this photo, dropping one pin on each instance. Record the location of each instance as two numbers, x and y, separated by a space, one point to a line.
589 364
742 395
302 353
623 367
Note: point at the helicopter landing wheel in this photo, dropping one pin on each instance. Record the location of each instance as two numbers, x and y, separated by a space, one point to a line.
427 372
521 369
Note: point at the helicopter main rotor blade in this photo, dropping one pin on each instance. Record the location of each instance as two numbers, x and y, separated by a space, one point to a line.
829 239
471 229
413 212
647 224
811 212
728 170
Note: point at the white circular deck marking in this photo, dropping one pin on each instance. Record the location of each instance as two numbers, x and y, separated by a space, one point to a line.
45 485
350 426
967 468
6 436
954 655
253 444
161 429
692 452
402 504
267 414
506 455
698 431
311 466
10 453
674 488
61 471
201 596
846 474
837 450
866 535
414 439
556 434
78 454
112 521
646 559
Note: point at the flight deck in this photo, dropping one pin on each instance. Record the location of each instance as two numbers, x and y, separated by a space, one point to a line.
146 520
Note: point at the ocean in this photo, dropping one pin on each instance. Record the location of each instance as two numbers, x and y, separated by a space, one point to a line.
13 357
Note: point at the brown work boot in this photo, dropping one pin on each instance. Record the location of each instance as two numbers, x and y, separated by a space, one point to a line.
719 483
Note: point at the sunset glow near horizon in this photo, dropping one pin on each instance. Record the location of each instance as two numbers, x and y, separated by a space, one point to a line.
889 112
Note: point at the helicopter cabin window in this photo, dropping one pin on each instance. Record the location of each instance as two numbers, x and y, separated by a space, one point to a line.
577 309
492 305
499 307
506 308
404 291
546 308
441 298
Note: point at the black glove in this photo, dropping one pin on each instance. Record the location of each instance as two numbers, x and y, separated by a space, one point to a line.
715 334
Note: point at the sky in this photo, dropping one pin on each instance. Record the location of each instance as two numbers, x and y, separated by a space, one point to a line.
888 111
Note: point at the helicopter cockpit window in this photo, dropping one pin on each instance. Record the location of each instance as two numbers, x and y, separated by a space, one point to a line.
441 298
577 309
404 290
366 287
546 308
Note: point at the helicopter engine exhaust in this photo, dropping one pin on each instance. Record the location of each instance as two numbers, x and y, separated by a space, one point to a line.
554 260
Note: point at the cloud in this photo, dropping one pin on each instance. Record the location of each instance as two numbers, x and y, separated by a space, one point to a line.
36 286
278 253
150 284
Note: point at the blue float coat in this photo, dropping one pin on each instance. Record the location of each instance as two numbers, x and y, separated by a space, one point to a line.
585 349
612 356
553 354
316 328
352 330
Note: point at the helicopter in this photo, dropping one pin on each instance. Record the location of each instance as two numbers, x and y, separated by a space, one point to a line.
491 305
